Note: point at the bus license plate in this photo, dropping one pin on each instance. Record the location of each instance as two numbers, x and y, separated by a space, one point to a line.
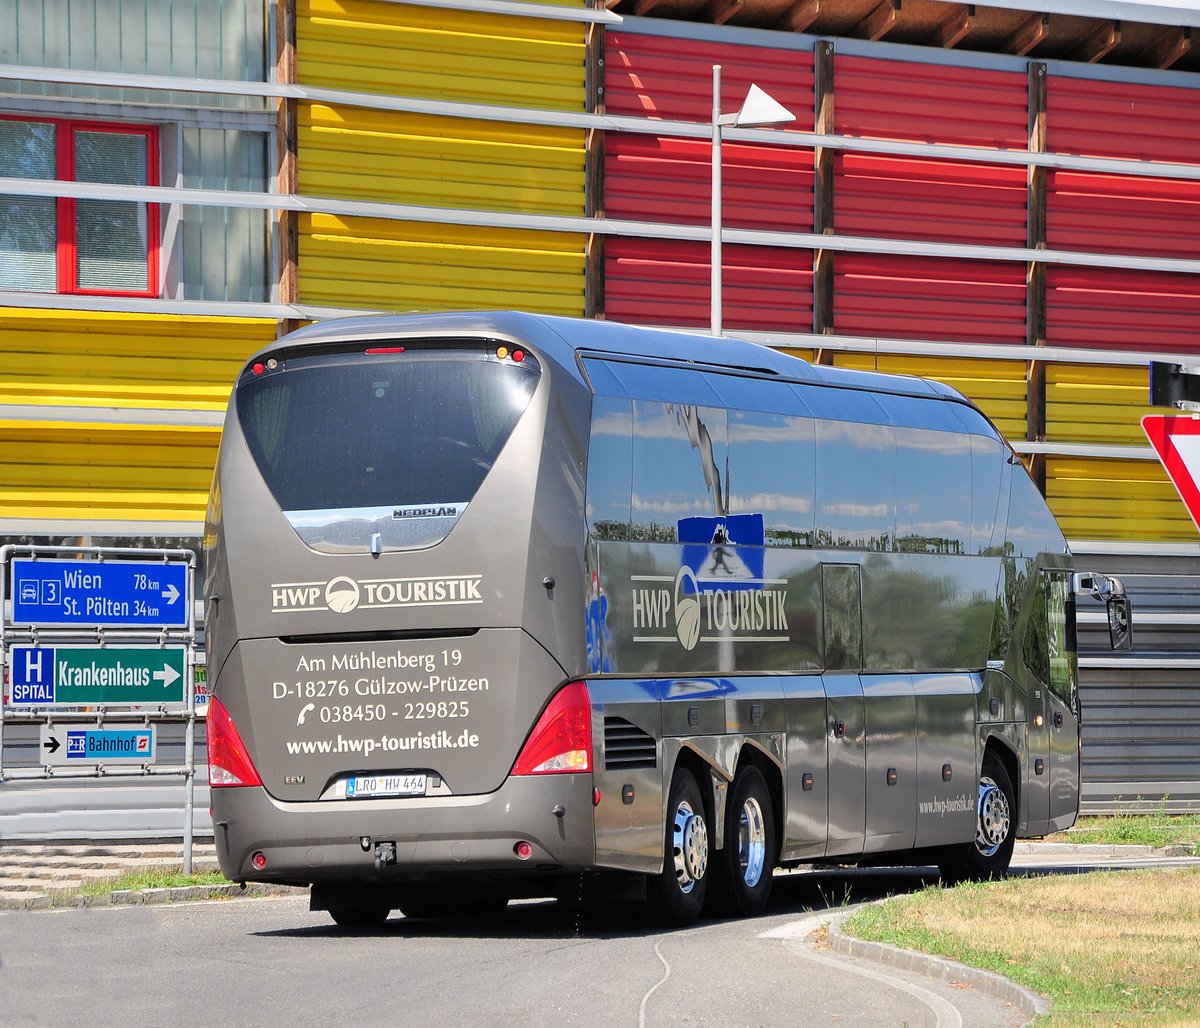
361 786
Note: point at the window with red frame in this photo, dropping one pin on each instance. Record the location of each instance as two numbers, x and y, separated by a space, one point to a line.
63 245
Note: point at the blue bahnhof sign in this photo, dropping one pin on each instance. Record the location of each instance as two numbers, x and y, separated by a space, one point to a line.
83 744
112 593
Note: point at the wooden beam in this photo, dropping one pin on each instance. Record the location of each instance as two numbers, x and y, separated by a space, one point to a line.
287 148
1171 46
823 184
645 6
1035 271
1027 36
954 28
720 11
1098 43
800 15
610 4
879 22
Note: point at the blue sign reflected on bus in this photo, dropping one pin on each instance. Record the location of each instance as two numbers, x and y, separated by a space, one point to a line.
113 593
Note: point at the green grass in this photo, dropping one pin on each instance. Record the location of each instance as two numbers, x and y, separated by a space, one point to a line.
1149 829
1111 947
137 881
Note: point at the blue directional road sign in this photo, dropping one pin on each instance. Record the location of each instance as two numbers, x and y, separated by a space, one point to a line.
113 593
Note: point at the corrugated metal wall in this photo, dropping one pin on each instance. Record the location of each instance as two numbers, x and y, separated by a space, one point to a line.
440 161
659 178
89 470
68 467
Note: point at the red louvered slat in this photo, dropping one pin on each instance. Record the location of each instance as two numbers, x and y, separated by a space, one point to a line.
656 77
930 200
1123 119
1119 309
666 282
929 298
889 99
649 178
1145 217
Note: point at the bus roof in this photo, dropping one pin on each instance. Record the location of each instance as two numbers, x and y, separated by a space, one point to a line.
560 339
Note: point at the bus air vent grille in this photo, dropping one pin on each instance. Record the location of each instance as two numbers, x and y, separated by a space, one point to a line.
626 746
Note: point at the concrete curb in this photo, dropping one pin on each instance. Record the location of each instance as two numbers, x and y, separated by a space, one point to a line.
145 897
988 983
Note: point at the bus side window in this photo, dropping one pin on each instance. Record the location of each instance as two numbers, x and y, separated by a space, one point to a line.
1035 648
1060 638
843 617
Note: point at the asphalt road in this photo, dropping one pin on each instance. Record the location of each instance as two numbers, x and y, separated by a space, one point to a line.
270 961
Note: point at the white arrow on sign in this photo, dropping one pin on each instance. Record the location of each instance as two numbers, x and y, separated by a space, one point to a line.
167 675
171 593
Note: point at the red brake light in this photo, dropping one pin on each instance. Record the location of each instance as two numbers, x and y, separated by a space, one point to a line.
228 762
561 741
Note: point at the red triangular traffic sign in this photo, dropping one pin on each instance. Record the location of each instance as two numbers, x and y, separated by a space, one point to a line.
1176 440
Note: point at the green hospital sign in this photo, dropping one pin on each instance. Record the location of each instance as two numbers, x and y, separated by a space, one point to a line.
85 675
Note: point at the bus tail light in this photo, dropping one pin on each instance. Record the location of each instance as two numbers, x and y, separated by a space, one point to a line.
561 741
228 762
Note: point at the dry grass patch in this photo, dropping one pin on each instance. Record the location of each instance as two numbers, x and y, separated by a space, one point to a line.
1118 946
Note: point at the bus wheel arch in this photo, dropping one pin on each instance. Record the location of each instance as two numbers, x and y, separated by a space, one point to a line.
988 854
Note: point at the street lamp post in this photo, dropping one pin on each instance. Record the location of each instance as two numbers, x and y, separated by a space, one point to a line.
758 109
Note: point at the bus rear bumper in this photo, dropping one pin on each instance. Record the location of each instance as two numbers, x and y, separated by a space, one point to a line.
340 839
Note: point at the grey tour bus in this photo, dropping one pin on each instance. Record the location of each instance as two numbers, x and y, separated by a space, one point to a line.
500 604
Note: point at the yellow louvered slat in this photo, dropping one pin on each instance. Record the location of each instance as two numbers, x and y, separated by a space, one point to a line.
996 387
65 470
467 56
1116 499
112 360
1096 403
440 162
363 262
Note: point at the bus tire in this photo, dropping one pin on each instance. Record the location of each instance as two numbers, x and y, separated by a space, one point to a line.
359 919
744 869
676 894
988 855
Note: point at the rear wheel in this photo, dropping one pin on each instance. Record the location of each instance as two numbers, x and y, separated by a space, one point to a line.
743 870
359 918
677 893
989 854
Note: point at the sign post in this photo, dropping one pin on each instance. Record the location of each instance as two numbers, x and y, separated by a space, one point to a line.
1176 440
88 629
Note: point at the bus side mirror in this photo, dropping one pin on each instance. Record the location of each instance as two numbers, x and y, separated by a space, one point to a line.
1120 623
1120 612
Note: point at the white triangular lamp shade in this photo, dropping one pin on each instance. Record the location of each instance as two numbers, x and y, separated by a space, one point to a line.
760 108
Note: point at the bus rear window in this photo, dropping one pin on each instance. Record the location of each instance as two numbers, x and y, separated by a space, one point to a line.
381 430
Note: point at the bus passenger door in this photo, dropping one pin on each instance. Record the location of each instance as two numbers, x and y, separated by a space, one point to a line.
1063 712
1051 663
845 708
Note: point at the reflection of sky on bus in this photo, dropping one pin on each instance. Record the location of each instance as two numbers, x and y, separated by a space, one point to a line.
669 467
868 485
1031 527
